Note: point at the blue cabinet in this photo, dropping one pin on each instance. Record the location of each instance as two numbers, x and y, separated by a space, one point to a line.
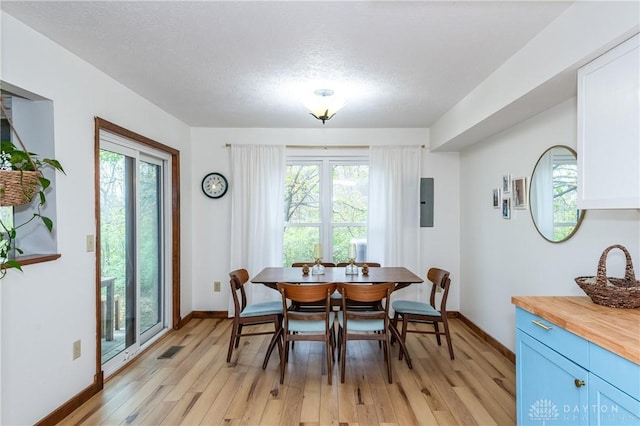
546 388
608 405
563 379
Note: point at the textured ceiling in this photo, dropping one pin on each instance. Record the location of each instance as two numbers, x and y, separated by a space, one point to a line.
248 64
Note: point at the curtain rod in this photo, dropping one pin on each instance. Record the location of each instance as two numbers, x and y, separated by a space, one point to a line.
228 145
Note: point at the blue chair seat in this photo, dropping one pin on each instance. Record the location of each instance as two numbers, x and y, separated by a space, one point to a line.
263 308
415 308
309 326
361 325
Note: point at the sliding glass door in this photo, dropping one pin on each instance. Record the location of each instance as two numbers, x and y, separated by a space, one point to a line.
132 248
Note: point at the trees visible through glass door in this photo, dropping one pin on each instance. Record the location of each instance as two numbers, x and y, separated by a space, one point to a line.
131 248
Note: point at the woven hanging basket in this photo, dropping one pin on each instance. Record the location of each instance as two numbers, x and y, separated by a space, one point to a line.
18 187
610 291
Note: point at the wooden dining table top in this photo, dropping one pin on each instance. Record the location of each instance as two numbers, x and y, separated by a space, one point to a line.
403 277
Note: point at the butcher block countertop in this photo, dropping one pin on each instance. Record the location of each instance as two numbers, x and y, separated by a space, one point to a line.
617 330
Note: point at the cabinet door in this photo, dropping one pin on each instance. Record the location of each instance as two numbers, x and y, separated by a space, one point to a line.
609 129
546 385
608 405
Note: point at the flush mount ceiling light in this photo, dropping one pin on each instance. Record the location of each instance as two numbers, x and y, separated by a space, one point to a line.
323 105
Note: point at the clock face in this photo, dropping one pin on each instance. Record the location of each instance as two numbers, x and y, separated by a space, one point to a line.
214 185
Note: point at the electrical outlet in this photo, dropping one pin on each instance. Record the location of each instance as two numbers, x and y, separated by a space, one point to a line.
91 242
216 286
77 349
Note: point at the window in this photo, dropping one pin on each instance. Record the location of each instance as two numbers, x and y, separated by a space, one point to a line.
32 116
326 201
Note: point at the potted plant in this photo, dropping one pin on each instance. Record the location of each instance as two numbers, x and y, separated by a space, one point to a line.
21 178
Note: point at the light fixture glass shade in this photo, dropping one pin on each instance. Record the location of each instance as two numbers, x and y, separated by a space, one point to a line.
323 104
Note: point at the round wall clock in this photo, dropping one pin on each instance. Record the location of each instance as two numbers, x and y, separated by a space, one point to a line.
214 185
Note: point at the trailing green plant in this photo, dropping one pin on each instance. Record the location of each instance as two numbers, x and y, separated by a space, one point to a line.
14 159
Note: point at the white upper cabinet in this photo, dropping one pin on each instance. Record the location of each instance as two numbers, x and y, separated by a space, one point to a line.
609 129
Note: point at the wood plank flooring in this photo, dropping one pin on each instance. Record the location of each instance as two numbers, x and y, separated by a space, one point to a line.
198 387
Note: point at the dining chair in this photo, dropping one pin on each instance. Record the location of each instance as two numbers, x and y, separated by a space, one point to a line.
362 324
306 325
252 314
310 306
355 305
419 312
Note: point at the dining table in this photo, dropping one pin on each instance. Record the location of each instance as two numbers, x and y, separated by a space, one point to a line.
401 276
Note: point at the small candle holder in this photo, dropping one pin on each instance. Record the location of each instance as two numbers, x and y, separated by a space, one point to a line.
351 268
365 269
318 268
305 269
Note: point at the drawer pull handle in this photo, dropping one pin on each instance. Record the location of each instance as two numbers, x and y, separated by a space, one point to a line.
579 383
541 325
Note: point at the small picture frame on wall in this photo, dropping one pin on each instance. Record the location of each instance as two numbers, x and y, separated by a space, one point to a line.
506 184
506 208
496 198
519 193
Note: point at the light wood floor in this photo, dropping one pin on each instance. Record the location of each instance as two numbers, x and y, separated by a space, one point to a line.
198 387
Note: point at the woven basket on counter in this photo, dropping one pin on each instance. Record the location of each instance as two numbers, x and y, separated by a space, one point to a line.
610 291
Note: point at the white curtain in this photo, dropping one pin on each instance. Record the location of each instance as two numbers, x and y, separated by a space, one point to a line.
257 219
394 210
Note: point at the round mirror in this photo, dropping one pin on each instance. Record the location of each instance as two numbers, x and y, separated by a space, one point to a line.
553 194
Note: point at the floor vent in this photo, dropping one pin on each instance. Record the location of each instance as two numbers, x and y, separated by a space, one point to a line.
171 352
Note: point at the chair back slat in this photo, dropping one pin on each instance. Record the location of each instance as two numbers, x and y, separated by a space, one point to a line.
305 293
365 292
239 278
445 295
439 279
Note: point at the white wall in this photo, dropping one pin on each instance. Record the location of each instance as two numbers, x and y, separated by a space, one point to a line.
52 304
503 258
539 75
440 245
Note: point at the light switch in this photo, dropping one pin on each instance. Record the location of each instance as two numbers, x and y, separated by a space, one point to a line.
91 242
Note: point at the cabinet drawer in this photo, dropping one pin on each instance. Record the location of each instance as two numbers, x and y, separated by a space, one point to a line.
564 342
615 369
